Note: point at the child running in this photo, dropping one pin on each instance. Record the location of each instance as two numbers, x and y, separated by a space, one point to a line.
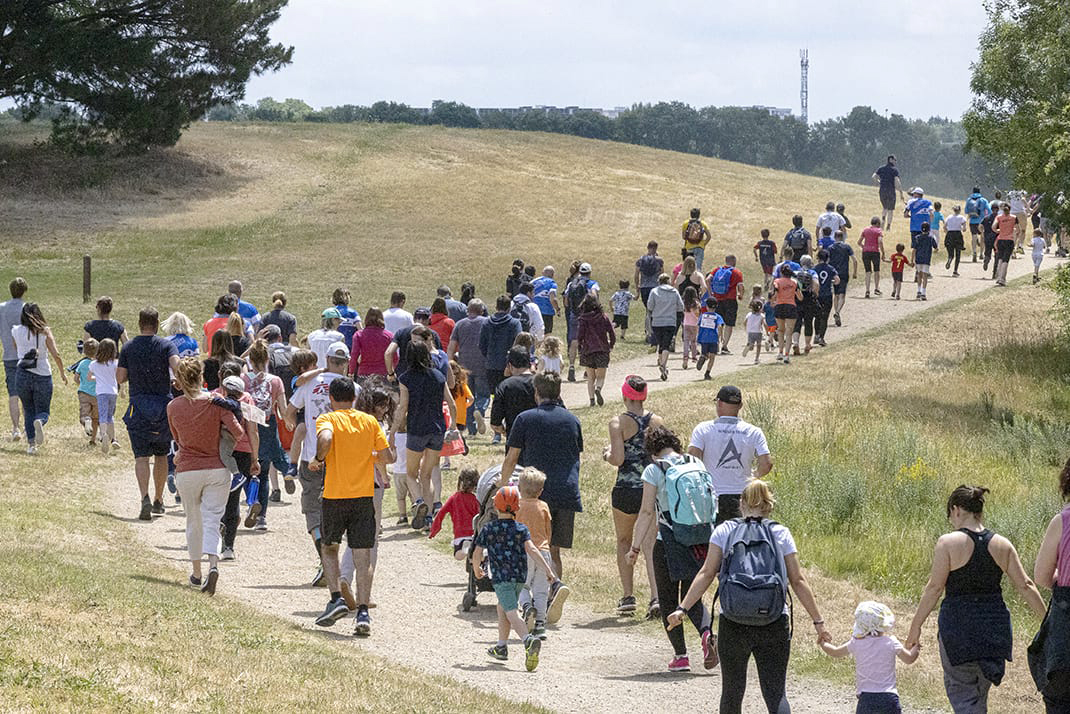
769 312
765 253
549 361
506 544
535 515
709 329
921 255
898 261
1039 246
103 372
754 323
462 507
88 414
621 302
875 652
690 325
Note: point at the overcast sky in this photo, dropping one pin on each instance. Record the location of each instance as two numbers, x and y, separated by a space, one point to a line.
905 58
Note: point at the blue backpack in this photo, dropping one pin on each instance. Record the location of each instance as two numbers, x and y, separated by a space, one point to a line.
753 582
721 280
972 206
692 506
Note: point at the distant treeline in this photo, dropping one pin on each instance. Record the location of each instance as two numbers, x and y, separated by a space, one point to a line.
849 148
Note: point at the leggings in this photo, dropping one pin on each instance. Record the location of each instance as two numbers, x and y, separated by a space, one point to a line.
669 593
771 647
231 514
808 309
953 257
821 321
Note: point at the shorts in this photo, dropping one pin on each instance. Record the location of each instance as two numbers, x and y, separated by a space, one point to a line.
754 338
462 543
508 595
921 269
106 408
975 229
871 261
785 312
87 407
423 442
709 348
888 200
620 321
768 269
311 495
771 329
878 703
727 309
897 277
562 525
146 424
663 337
11 366
354 517
572 329
953 239
627 499
548 323
595 360
841 288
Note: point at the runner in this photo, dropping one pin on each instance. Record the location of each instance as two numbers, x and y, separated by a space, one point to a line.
464 347
663 304
726 286
828 278
596 338
621 302
395 317
320 340
919 209
839 255
887 177
626 451
988 226
544 293
350 318
10 317
696 234
105 328
576 291
647 269
807 306
1039 246
278 316
33 375
797 239
872 244
953 239
977 210
765 254
921 255
1006 224
786 295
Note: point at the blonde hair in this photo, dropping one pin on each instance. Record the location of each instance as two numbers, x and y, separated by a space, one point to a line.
189 374
89 348
106 350
236 325
550 347
525 340
258 355
177 324
531 482
278 299
758 497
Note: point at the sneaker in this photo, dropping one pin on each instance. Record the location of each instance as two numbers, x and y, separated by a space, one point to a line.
626 605
227 554
363 626
948 266
403 521
653 609
435 508
87 424
896 297
836 317
680 664
254 513
975 257
707 376
157 507
419 515
572 374
592 402
701 361
529 617
955 275
31 450
664 373
787 360
15 435
725 351
539 631
779 357
261 524
336 609
598 396
275 496
210 581
289 483
498 652
559 592
39 427
532 645
195 582
146 508
710 657
923 298
347 594
497 438
319 580
171 483
115 446
236 481
877 292
867 293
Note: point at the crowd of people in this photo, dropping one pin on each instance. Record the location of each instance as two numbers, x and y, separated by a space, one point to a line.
230 414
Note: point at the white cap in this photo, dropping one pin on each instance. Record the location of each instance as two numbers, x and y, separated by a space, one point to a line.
585 268
917 189
339 350
234 383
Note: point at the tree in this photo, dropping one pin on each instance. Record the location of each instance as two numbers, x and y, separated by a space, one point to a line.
455 114
137 72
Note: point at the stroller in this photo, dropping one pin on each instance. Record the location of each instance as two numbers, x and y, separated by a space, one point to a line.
488 484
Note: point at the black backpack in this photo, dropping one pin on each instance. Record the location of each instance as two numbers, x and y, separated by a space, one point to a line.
521 314
577 292
279 365
798 240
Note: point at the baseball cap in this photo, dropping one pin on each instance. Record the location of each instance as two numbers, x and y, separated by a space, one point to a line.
339 350
585 268
234 383
422 313
331 313
730 395
917 189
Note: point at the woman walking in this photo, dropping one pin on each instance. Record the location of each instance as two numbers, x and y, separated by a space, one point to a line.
236 329
278 316
222 350
662 305
974 627
33 374
1052 570
203 483
596 339
441 323
785 295
770 645
269 395
627 451
368 349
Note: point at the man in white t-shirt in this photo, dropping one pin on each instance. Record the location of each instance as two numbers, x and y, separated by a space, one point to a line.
830 219
1019 209
395 317
320 340
728 447
315 398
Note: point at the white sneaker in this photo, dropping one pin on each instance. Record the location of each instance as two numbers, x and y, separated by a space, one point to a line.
227 554
39 427
15 435
31 449
87 424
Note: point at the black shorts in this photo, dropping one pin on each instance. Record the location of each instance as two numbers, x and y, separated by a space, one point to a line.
975 229
897 277
785 312
627 499
548 323
620 321
841 288
727 309
353 517
595 360
644 294
871 261
888 200
663 337
562 524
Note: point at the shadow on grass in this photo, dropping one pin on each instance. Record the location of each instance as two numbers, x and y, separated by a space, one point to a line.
121 519
184 585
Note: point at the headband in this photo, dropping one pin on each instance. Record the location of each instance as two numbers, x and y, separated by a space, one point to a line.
630 392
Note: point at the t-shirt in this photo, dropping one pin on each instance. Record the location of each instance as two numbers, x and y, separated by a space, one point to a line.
898 261
426 389
26 341
754 322
955 222
104 374
513 396
709 325
85 385
830 219
503 539
735 279
938 218
825 241
840 255
875 662
650 267
315 398
264 388
542 288
871 239
195 425
213 326
1039 245
185 345
766 252
887 175
781 535
729 446
535 515
350 320
319 341
105 330
10 316
825 274
146 359
1017 200
466 334
358 436
249 314
286 323
920 212
785 291
1005 226
396 318
621 301
795 267
923 245
550 439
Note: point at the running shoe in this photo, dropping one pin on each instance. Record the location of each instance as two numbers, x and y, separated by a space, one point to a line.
725 351
237 480
877 292
275 496
664 374
15 434
32 450
836 317
592 401
539 631
254 513
195 582
955 275
347 594
653 610
680 664
787 360
529 617
559 593
336 609
572 374
709 650
598 396
227 554
707 376
319 580
289 479
532 645
779 357
497 438
157 507
626 605
171 483
403 521
701 361
419 515
867 293
210 581
363 626
261 524
498 652
39 427
146 508
87 424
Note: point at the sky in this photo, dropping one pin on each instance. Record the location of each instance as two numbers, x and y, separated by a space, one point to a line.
899 58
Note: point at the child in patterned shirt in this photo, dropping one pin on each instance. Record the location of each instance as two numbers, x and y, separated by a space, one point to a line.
621 301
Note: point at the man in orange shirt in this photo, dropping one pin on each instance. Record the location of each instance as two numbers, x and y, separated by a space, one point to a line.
349 442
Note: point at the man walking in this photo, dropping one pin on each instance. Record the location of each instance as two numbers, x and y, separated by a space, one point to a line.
454 308
696 235
464 347
977 209
887 177
147 362
247 310
728 446
842 258
831 219
797 239
920 210
515 394
726 286
647 270
11 316
544 293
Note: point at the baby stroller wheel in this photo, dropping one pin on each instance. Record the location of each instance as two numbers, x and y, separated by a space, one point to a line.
468 601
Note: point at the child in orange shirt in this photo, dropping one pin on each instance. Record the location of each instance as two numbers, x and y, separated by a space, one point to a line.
535 514
898 260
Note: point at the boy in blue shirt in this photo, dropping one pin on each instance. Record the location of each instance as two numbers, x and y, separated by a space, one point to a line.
709 328
87 391
921 255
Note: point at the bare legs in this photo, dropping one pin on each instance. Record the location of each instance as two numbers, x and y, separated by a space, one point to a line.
159 475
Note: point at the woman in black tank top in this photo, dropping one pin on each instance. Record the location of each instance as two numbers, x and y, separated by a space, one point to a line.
974 625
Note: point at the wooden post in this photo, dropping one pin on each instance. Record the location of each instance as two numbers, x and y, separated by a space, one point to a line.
87 278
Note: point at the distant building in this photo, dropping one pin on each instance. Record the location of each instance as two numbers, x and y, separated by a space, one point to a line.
571 110
779 112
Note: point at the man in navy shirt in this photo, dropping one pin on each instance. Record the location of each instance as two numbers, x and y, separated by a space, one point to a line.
146 362
842 258
827 279
549 438
887 177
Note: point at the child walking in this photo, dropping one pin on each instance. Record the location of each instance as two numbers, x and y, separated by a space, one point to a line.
549 360
535 515
690 324
755 324
621 301
88 413
102 371
506 545
875 652
462 507
709 328
1039 246
898 261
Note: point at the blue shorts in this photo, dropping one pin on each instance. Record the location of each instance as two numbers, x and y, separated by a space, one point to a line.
572 332
878 703
146 424
10 367
423 442
508 595
709 348
106 408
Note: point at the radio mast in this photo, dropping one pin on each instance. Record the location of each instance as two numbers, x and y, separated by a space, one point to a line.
804 94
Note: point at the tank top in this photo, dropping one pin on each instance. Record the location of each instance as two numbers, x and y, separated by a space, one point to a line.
686 282
785 291
1063 562
630 473
981 575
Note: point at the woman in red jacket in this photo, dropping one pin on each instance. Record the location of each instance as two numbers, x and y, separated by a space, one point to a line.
596 339
441 323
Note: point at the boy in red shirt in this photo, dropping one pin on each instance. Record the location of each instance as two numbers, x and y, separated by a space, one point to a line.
898 261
